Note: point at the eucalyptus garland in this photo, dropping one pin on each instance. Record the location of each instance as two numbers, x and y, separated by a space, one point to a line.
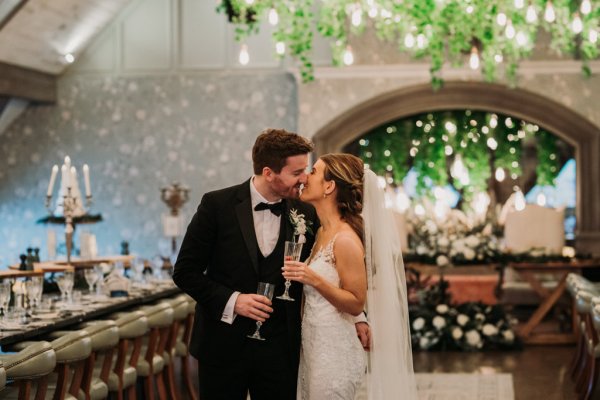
497 32
430 143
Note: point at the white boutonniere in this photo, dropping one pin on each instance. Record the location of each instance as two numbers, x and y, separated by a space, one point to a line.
301 226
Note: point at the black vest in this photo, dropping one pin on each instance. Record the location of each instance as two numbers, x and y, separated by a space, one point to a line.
269 269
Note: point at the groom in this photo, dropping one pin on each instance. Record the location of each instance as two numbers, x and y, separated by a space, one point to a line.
235 240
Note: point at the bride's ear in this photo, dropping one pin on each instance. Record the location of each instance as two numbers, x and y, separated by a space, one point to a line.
329 187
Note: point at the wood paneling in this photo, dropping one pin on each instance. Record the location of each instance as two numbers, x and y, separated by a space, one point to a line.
27 84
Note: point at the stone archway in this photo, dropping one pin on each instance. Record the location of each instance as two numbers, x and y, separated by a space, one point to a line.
556 118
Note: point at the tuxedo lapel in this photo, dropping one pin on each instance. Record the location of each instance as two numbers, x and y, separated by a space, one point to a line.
244 214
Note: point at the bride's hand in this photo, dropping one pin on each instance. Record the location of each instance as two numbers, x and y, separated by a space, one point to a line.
300 272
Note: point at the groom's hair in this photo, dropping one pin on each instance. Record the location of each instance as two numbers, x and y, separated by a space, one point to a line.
274 146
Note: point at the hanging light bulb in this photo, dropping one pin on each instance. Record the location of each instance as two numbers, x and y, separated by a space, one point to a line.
244 57
519 4
474 58
458 171
577 25
549 14
373 11
510 30
531 15
593 36
521 39
481 202
249 2
586 7
421 41
448 150
492 143
356 16
348 56
541 199
280 48
500 175
273 17
498 58
409 40
501 19
402 200
519 201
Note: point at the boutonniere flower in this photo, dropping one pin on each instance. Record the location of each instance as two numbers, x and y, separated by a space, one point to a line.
301 226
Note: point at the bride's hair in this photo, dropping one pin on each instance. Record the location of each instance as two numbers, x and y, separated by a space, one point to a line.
347 172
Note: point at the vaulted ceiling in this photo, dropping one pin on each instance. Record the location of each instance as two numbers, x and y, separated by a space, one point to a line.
35 36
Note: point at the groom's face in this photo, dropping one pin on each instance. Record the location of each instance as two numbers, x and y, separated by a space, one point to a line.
286 184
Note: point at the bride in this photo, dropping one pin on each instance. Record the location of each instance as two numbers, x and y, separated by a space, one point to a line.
353 262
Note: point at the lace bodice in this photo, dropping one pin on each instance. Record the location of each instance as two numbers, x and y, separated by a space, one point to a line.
332 362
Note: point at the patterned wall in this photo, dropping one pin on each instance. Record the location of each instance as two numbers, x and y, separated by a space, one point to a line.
137 134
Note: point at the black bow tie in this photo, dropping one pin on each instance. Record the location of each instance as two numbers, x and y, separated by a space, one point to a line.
276 208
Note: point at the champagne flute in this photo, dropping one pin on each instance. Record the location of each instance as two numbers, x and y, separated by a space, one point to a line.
267 290
291 253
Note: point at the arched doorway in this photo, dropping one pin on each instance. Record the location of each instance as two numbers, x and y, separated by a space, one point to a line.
554 117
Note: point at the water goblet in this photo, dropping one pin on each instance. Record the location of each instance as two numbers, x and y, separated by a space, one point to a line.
292 252
91 277
267 290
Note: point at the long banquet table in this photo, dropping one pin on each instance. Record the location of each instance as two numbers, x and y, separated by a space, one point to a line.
88 309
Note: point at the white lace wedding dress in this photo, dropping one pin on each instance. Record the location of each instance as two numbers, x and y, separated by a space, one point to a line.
332 360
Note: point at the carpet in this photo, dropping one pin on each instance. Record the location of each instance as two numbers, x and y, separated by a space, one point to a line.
460 387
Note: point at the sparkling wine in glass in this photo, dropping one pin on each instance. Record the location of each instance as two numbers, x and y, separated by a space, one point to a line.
292 252
267 290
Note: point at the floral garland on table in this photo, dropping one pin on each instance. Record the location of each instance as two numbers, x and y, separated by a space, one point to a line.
300 224
468 326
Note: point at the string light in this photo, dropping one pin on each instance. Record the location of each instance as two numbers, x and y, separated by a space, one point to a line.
586 7
498 58
356 16
492 143
280 48
549 14
519 4
531 15
474 58
510 30
500 175
273 17
348 56
409 40
577 25
521 39
593 36
501 19
244 57
69 58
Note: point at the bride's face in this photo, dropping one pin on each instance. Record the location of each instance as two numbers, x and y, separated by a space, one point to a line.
315 186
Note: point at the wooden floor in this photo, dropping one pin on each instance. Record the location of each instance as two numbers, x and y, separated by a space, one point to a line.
539 372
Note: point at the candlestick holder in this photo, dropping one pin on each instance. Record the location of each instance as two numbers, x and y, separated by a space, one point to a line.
174 196
69 203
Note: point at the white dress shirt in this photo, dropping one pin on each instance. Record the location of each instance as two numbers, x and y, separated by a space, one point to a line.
266 227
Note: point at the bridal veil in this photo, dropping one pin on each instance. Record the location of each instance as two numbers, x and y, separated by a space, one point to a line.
390 368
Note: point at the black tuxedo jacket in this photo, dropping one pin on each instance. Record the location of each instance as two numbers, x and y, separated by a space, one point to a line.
219 255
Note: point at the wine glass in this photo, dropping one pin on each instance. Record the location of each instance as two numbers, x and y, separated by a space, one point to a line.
267 290
5 293
91 277
291 253
137 264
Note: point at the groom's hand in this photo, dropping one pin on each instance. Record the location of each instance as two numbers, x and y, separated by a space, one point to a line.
364 334
253 306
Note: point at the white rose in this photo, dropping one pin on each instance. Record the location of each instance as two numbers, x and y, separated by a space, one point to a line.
421 250
442 261
443 242
469 253
473 338
423 342
441 309
418 324
472 241
489 330
431 226
458 246
462 319
508 335
301 238
438 322
457 333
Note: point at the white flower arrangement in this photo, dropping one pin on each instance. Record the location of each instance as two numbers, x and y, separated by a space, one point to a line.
301 226
468 326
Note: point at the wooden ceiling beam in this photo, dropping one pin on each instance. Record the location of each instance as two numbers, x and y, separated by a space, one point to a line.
27 84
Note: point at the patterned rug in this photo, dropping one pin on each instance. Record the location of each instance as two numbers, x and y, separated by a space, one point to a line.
460 387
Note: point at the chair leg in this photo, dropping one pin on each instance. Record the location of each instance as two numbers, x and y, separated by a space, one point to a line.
77 379
149 387
185 368
577 356
24 389
131 392
61 382
42 387
592 378
169 376
160 385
